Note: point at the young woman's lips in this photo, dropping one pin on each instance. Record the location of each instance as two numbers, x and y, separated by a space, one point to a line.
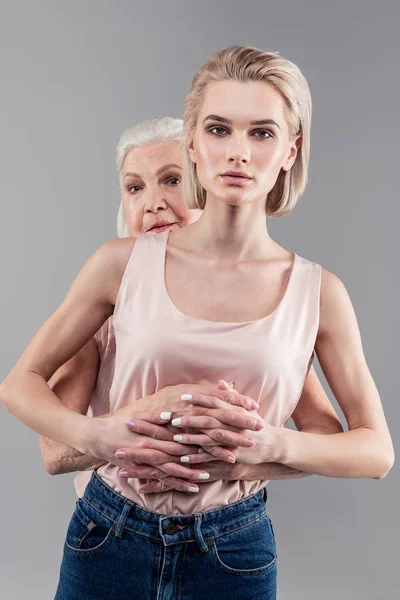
236 179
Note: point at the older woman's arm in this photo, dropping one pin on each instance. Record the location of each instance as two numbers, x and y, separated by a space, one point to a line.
73 384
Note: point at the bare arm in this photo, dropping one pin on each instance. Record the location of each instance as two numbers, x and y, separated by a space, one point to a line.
88 304
365 450
314 413
73 384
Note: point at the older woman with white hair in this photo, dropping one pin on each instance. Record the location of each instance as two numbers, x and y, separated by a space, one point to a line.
216 299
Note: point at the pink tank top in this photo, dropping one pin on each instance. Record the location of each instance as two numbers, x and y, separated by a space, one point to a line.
157 345
100 402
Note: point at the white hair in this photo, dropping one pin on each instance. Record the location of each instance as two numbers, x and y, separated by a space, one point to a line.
149 132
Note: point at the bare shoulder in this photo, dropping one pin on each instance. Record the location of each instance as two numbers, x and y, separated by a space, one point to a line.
109 263
336 308
115 253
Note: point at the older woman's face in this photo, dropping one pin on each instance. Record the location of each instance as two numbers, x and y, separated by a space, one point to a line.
151 188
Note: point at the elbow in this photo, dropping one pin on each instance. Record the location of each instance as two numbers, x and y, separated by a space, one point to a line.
53 467
386 463
5 394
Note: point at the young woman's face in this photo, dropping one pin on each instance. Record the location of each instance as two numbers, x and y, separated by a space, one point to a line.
151 188
241 127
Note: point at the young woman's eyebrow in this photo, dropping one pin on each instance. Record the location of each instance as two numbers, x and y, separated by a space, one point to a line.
228 122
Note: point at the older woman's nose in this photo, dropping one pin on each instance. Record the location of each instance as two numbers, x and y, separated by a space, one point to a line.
155 203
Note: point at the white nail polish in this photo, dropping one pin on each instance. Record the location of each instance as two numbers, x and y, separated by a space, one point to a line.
165 416
185 459
176 422
193 489
178 438
204 476
186 397
199 450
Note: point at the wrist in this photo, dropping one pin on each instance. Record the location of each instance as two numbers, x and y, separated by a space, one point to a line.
85 434
278 453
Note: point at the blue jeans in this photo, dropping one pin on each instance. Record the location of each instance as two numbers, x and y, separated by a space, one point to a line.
117 550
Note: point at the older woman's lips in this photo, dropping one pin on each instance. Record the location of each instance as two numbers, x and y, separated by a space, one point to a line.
159 227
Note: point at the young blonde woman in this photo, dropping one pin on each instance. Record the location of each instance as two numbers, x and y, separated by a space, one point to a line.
218 296
149 164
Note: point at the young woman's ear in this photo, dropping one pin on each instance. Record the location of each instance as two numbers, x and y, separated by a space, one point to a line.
191 151
289 162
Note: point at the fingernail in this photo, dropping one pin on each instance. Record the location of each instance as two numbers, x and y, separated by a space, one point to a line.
165 416
223 382
193 489
249 443
140 491
130 424
176 421
231 459
259 425
199 450
120 454
178 438
254 405
204 476
185 458
123 473
186 397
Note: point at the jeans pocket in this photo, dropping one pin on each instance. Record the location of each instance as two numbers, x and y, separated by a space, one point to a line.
89 532
249 550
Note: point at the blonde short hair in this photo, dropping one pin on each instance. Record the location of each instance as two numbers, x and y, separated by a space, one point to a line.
244 63
148 132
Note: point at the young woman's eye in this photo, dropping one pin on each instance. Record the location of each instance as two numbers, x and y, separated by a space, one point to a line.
173 181
218 130
133 189
262 132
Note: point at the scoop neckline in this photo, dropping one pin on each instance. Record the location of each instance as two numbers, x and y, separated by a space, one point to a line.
232 323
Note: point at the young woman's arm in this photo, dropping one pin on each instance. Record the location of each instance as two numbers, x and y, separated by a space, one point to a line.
89 302
314 412
365 450
25 393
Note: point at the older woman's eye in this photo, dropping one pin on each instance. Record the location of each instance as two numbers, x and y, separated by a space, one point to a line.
133 189
174 180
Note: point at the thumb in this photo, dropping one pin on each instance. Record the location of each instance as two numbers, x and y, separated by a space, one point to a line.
157 417
223 385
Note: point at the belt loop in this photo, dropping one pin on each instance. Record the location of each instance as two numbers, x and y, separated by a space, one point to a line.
119 527
265 493
197 532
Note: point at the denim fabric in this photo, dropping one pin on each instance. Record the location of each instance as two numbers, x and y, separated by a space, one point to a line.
117 550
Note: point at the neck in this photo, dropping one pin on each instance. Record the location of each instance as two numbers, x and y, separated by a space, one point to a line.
229 233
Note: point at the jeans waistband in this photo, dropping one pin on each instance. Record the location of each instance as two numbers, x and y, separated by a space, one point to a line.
201 527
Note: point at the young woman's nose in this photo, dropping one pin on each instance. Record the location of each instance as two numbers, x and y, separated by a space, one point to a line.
238 150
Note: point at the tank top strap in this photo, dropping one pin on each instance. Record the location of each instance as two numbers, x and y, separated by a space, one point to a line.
144 272
297 317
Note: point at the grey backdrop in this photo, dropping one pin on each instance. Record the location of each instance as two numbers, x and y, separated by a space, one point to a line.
73 76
